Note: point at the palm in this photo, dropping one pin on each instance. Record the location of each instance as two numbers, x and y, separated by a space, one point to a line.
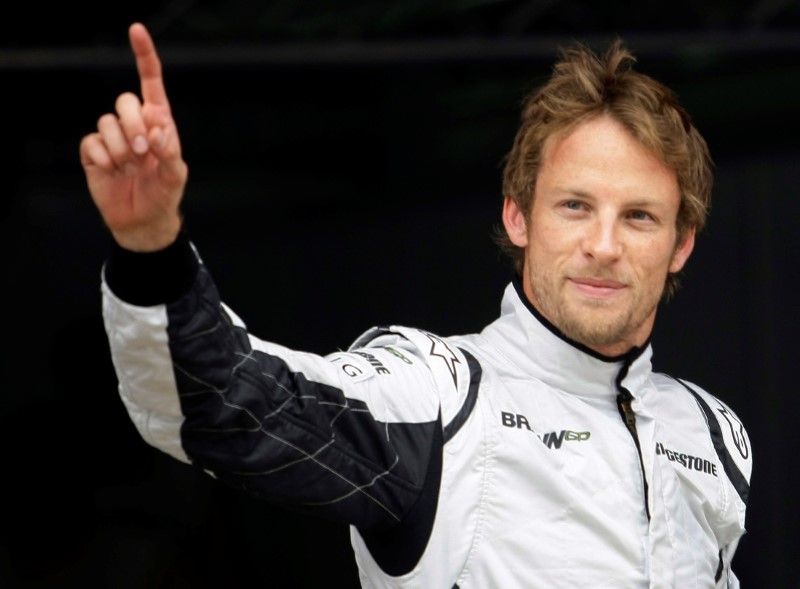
126 201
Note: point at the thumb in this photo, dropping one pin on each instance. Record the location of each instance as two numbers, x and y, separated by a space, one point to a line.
165 146
158 139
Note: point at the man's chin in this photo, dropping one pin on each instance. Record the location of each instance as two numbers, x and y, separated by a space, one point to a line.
594 328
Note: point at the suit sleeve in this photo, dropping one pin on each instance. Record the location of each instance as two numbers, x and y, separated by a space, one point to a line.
349 436
732 445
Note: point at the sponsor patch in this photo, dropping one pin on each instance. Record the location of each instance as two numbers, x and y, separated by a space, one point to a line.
552 440
687 461
354 366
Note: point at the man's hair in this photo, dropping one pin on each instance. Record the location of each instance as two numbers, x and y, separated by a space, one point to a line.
585 85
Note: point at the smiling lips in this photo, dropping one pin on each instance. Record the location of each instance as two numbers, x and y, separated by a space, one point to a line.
597 288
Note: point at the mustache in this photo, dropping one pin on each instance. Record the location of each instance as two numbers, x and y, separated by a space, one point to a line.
599 277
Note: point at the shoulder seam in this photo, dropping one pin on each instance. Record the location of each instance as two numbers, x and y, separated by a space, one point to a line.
475 373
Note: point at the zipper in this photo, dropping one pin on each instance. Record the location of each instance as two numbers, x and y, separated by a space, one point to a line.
624 399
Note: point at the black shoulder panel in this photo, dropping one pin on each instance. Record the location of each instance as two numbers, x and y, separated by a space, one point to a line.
734 474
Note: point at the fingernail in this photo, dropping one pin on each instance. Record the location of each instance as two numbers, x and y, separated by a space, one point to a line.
140 144
162 139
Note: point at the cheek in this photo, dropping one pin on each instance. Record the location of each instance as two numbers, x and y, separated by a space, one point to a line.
655 261
544 250
550 257
549 238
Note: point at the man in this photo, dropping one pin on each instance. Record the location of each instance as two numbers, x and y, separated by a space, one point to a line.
541 452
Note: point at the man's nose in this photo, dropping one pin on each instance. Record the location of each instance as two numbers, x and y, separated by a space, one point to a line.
603 240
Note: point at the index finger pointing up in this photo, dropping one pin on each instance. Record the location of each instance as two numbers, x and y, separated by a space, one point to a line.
148 64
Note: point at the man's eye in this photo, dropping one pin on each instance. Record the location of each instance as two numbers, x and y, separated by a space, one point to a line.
641 216
574 205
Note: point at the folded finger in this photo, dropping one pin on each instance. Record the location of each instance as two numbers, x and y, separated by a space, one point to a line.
131 119
115 141
93 153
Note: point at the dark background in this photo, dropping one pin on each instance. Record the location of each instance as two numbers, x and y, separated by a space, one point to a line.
345 163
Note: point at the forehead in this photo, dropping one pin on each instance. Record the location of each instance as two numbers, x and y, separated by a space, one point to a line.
600 156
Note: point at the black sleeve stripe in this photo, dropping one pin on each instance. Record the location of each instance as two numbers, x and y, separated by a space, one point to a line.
734 474
398 549
475 373
260 426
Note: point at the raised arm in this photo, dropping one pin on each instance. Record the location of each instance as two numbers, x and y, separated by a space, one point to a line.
133 163
355 436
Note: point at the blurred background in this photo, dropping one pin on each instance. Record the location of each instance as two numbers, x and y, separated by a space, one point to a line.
345 163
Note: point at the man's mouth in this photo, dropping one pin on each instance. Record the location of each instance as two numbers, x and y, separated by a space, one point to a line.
598 287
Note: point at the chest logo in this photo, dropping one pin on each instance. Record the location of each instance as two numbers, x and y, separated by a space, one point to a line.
687 461
551 439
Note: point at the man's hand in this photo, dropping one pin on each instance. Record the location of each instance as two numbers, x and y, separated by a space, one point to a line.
133 163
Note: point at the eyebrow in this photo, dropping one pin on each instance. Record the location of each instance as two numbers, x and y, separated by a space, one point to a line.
639 202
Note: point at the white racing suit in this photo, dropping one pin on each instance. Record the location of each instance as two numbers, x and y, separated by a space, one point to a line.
508 458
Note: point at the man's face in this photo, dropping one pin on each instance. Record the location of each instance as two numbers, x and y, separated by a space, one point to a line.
601 236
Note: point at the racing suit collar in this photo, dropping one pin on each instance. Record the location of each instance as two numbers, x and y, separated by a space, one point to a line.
568 365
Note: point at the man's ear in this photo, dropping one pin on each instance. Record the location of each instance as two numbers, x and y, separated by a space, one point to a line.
515 223
682 252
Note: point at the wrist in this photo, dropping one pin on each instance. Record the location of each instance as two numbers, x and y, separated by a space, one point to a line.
149 239
151 278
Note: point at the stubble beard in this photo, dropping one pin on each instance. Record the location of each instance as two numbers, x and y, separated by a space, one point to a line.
591 323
